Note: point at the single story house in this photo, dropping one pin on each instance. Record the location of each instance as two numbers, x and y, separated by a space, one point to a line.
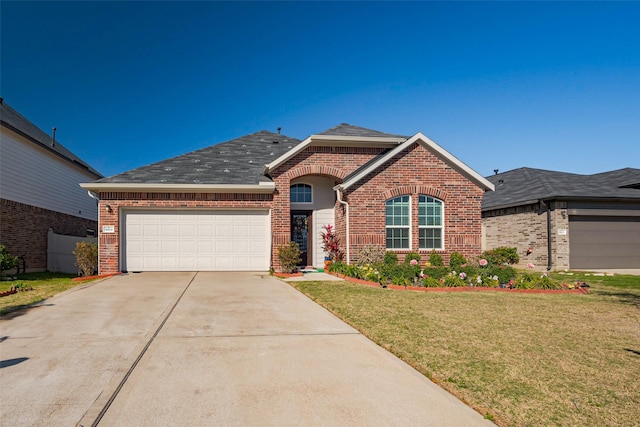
230 206
39 190
566 221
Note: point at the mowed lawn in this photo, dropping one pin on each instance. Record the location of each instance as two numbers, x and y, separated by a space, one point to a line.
45 285
518 359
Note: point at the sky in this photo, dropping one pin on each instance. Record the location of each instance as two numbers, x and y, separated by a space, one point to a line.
500 85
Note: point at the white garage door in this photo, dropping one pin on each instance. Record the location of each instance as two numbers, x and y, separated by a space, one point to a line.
178 240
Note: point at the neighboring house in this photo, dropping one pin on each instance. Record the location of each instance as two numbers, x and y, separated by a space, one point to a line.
39 190
231 206
565 220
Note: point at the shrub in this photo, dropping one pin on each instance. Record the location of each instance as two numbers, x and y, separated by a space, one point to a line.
456 260
535 281
390 272
435 259
7 261
337 267
289 257
437 272
390 258
504 273
453 281
86 258
371 254
501 255
430 282
412 256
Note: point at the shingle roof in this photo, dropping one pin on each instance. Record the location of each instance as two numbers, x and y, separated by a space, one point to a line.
346 129
238 161
18 123
523 185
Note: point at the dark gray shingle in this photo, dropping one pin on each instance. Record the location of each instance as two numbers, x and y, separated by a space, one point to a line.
526 184
346 129
239 161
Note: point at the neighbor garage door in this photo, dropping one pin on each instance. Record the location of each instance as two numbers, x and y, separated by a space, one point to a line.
178 240
604 242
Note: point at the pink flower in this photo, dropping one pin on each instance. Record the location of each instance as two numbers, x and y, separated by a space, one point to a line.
530 265
413 262
483 262
463 275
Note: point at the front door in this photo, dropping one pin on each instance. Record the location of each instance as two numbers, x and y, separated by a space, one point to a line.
300 226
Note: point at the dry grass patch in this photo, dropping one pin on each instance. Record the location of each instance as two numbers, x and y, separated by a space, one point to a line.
521 359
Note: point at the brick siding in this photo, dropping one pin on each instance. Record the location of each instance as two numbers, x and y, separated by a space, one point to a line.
23 230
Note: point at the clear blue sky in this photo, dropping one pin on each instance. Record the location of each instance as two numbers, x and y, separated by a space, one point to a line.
500 85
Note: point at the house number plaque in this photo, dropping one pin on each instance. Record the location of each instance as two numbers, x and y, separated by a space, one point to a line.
108 228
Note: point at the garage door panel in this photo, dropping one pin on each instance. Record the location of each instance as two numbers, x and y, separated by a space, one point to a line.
604 242
196 240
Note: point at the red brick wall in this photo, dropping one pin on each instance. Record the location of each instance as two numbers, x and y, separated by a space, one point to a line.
109 244
412 172
23 230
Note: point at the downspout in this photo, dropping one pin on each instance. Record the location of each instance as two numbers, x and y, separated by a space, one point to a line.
95 196
549 246
346 205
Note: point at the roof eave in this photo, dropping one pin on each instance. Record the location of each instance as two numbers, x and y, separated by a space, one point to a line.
98 187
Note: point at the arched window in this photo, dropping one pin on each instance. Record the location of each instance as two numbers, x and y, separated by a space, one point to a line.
398 223
300 193
430 222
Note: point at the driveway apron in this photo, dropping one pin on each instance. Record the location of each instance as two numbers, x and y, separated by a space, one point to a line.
236 349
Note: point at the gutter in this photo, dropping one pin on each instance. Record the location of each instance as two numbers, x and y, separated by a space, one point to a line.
346 205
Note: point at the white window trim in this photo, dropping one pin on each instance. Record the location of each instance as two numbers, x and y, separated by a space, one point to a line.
409 227
301 183
421 227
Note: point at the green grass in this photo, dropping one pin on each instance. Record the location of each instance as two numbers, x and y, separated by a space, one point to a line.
45 285
519 359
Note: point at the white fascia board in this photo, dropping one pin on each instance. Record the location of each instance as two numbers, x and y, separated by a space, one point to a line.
363 139
429 145
263 187
286 156
455 162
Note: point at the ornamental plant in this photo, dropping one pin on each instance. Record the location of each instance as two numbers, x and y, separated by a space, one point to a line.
331 243
289 257
7 261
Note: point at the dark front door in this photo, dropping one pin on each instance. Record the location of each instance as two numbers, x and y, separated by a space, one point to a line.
300 226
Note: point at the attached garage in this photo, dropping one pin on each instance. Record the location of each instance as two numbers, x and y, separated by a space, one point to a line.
195 240
604 242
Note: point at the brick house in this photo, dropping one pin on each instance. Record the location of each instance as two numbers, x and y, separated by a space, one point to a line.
39 190
231 205
561 220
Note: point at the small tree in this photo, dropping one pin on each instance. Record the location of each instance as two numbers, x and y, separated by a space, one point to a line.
331 243
7 261
86 258
289 257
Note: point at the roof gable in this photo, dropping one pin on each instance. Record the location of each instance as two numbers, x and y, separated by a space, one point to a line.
345 129
430 145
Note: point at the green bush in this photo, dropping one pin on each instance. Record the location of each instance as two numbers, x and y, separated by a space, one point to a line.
7 261
430 282
453 281
501 255
536 281
371 254
410 256
289 257
436 259
504 273
390 272
390 258
437 272
86 258
456 260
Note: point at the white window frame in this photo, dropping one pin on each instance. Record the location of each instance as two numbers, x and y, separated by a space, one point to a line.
407 227
426 227
300 184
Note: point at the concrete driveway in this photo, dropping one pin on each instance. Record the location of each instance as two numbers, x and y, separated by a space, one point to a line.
156 349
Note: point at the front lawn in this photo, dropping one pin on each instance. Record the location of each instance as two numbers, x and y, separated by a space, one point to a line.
45 285
519 359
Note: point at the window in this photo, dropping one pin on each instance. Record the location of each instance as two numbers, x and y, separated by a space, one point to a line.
300 193
430 214
397 222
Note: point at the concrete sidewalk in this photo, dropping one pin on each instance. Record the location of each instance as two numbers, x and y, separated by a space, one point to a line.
235 349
